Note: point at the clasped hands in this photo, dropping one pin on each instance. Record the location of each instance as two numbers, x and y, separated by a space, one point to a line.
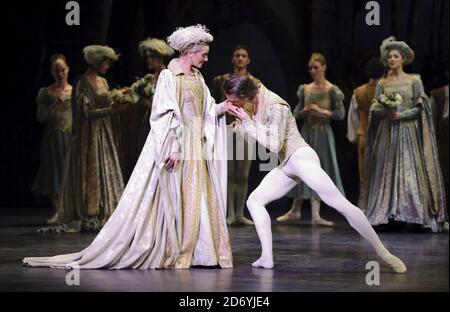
316 110
236 111
394 115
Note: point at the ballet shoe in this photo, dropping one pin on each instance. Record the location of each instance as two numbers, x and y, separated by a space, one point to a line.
395 263
321 222
289 216
244 221
263 263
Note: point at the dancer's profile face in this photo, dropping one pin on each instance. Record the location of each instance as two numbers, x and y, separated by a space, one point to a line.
240 58
60 70
316 69
104 67
395 59
199 56
154 62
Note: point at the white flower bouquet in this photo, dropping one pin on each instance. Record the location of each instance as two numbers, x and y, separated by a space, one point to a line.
390 100
143 88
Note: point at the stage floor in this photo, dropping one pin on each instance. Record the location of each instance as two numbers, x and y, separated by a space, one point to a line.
307 259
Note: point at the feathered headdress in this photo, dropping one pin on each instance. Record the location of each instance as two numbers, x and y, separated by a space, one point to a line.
95 54
153 45
392 44
184 38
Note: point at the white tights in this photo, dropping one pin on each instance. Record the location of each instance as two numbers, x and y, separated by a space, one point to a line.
305 164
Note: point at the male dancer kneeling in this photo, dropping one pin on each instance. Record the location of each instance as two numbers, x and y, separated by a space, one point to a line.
273 125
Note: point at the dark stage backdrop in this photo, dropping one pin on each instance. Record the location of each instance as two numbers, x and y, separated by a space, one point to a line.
281 36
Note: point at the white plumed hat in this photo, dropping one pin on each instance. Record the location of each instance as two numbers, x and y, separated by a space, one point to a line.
153 45
185 37
95 54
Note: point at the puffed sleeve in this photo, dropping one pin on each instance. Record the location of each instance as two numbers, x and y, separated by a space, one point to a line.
301 102
43 112
337 104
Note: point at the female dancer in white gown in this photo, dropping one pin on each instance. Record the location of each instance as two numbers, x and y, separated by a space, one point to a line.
274 127
172 212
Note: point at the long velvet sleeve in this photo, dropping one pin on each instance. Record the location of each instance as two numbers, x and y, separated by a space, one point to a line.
83 99
414 111
215 126
376 108
301 103
43 112
163 118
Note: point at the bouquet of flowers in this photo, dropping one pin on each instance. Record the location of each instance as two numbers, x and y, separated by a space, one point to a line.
118 97
390 100
143 88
